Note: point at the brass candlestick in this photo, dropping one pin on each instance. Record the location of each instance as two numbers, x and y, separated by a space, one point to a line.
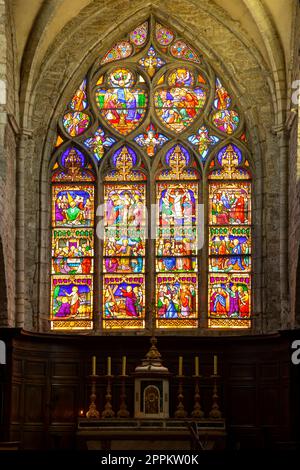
215 412
108 411
197 411
92 411
180 411
123 412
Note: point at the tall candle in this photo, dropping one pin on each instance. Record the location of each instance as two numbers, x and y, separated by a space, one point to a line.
196 366
180 361
94 365
124 365
215 365
109 365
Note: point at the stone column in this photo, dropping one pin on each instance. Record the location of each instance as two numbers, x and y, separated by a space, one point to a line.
20 228
282 135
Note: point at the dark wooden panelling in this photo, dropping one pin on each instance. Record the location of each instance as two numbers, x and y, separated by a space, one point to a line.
35 368
2 401
1 404
65 369
50 383
33 438
269 405
15 401
64 403
242 405
285 419
242 371
242 438
61 437
15 434
285 370
34 403
17 367
269 371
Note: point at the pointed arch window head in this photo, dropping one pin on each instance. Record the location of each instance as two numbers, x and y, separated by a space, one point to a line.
72 166
123 161
178 160
150 139
230 164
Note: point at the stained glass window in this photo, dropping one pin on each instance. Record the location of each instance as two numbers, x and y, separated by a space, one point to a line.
182 50
222 97
124 243
121 50
76 123
164 36
225 119
72 242
76 119
151 140
139 35
122 102
151 124
128 46
179 102
203 141
79 101
99 142
229 235
151 62
176 242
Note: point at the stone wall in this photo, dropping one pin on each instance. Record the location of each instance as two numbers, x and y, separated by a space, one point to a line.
8 129
294 216
209 29
260 91
294 211
294 175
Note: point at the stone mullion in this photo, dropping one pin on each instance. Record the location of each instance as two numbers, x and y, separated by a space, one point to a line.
98 264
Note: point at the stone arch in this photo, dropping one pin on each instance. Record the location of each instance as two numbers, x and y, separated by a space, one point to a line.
275 52
249 86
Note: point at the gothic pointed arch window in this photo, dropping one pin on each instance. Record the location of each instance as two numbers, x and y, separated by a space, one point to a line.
149 138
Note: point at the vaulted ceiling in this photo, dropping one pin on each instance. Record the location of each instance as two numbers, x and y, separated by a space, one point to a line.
48 17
